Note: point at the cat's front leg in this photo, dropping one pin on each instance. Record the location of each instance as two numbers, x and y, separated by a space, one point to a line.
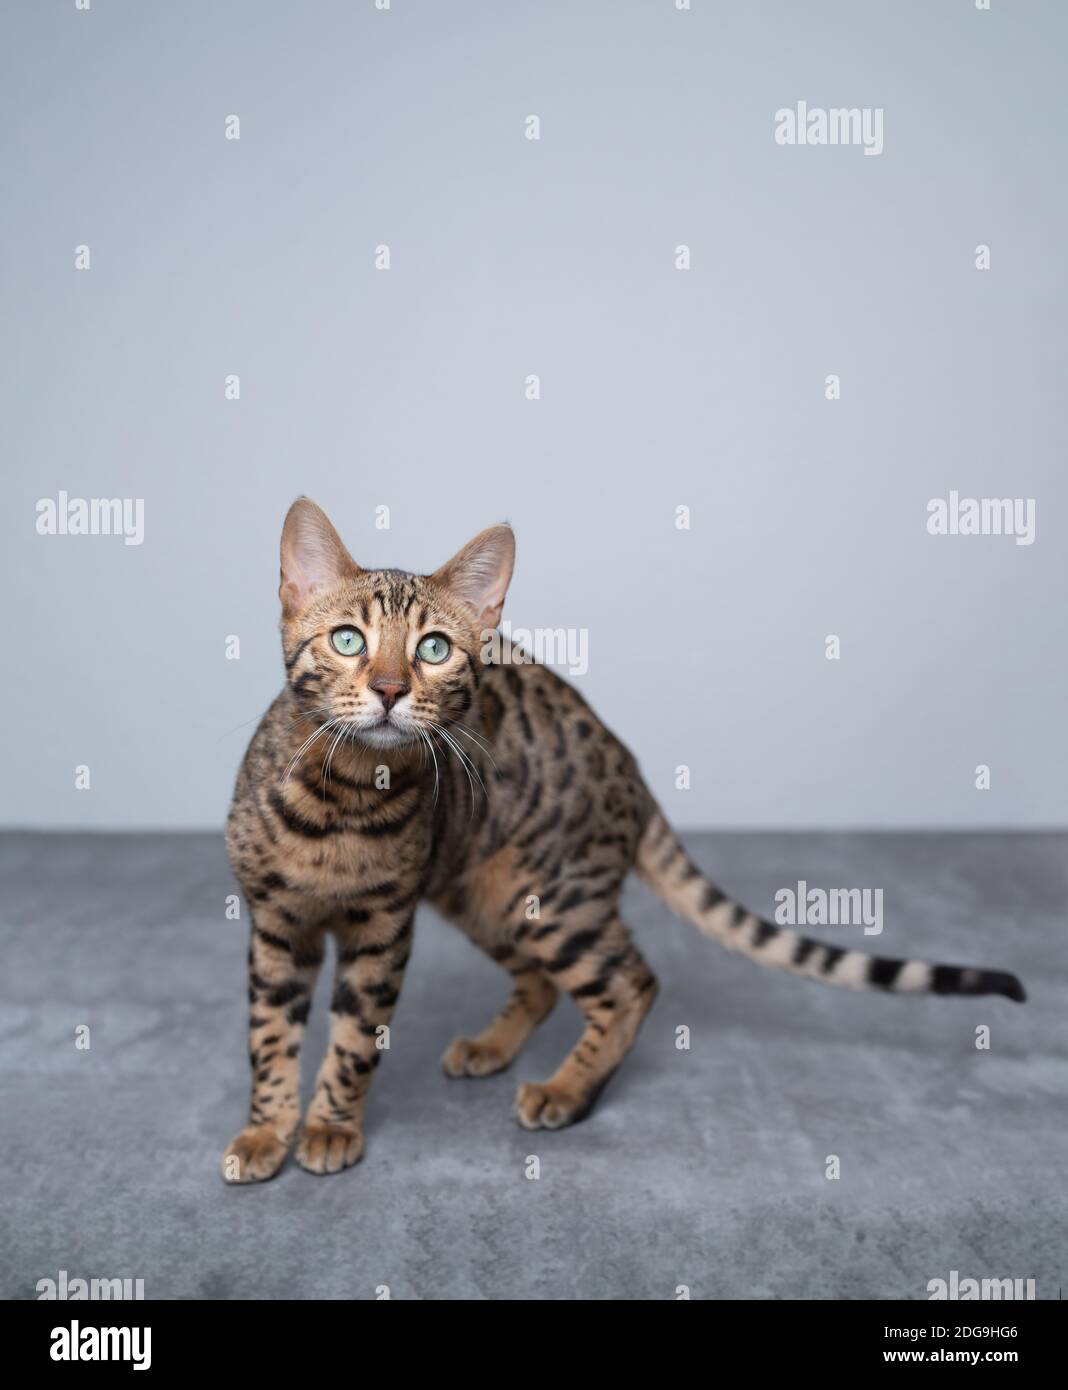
284 959
373 946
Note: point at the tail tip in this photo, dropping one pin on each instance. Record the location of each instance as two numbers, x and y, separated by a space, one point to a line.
1002 982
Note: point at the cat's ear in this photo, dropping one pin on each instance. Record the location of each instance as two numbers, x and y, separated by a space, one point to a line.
480 573
313 557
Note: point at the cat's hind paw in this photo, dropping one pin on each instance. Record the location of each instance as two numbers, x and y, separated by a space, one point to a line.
546 1105
469 1057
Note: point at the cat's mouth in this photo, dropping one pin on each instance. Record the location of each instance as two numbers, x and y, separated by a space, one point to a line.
385 732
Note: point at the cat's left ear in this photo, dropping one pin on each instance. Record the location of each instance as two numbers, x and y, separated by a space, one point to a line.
480 573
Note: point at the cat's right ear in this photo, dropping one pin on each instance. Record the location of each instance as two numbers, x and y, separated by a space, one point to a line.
313 557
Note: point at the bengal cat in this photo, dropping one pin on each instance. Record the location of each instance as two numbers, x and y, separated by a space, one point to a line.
404 760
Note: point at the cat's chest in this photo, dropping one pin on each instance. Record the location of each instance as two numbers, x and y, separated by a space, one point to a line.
335 848
348 867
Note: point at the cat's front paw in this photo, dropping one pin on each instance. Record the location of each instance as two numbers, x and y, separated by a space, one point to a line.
328 1148
469 1057
254 1156
544 1105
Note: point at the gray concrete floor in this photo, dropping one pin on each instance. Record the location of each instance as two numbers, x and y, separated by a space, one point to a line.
704 1168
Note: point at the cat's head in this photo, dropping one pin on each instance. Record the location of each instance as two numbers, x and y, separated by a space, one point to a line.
382 652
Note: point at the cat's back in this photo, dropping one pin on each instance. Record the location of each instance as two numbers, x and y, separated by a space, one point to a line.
543 733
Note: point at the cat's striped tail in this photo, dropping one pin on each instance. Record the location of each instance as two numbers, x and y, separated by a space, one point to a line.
666 867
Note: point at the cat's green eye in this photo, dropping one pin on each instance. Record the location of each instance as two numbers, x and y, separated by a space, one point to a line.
434 649
348 641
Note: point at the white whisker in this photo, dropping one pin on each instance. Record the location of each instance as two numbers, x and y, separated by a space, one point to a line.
426 739
338 737
303 749
479 744
465 762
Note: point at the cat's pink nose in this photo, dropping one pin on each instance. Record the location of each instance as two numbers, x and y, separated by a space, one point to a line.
389 691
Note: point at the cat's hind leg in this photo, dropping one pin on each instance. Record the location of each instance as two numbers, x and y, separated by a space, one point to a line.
531 1000
596 963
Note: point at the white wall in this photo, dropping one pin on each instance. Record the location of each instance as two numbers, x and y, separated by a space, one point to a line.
360 387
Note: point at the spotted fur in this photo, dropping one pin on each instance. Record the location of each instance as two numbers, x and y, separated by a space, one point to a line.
486 786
